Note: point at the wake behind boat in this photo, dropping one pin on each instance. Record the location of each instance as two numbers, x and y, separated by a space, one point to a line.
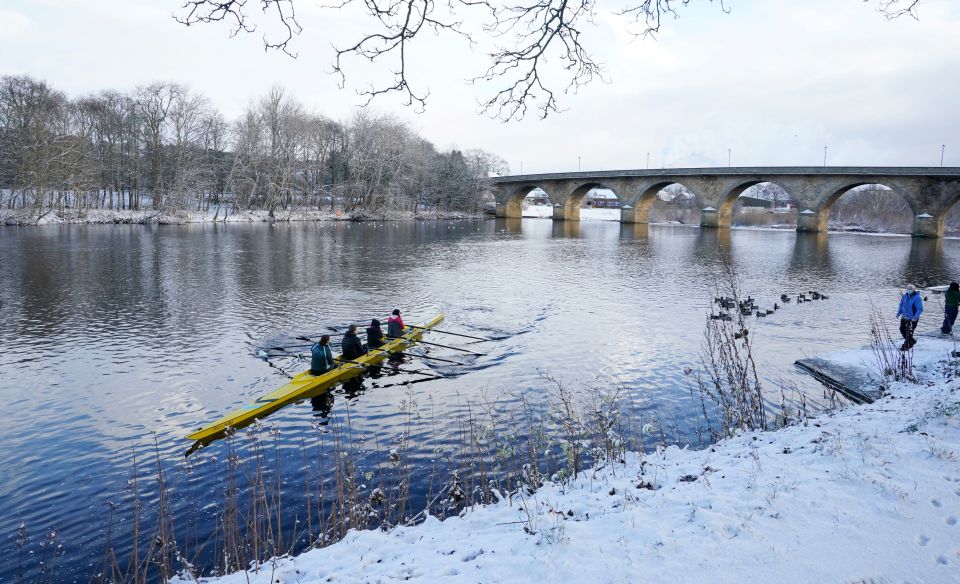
305 385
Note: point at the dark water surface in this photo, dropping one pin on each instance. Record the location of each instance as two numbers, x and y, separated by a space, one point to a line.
112 337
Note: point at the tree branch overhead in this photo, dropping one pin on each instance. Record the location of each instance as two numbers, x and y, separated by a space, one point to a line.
534 40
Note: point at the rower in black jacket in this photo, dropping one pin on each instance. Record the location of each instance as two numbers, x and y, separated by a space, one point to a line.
374 335
351 346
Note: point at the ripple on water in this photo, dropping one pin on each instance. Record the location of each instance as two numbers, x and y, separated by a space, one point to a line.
118 340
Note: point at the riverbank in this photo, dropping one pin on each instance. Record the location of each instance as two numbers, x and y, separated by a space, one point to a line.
153 217
867 494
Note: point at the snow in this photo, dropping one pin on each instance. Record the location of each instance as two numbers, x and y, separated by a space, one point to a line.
870 493
539 211
98 216
586 214
600 214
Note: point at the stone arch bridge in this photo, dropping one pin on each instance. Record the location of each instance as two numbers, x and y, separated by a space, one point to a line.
929 191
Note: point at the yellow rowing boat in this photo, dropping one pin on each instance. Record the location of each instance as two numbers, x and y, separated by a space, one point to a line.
305 385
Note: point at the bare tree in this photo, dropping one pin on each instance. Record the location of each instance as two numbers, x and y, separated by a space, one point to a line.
526 36
168 146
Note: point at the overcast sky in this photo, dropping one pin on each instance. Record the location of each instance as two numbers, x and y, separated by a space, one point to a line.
772 81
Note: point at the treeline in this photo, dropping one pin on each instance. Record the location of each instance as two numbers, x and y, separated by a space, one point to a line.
166 148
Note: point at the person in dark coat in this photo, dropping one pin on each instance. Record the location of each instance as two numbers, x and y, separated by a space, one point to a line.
374 335
395 324
352 347
911 307
951 302
321 358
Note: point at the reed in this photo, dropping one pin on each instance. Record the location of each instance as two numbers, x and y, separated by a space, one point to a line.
727 375
726 386
892 363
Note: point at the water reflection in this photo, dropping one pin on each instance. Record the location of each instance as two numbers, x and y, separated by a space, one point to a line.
563 229
634 230
810 255
926 262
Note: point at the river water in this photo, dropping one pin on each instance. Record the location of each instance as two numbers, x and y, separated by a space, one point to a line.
116 339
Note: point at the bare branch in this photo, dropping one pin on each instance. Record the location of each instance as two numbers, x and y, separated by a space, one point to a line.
896 8
533 36
207 11
538 28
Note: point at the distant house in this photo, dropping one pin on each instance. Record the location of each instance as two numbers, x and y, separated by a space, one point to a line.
602 199
747 203
536 197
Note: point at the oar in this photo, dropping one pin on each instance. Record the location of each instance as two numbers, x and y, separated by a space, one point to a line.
411 382
369 365
439 359
314 340
413 372
449 347
448 333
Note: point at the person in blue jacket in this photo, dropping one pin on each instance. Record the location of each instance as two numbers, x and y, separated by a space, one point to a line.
911 307
321 357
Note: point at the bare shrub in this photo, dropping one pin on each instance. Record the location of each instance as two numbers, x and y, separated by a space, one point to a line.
892 364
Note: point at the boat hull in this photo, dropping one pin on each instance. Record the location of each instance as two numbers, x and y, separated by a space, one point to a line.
304 385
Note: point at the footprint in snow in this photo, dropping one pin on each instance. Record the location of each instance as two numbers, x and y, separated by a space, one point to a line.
923 540
472 556
951 520
936 503
943 561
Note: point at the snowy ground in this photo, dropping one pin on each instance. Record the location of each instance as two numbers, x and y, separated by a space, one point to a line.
107 216
868 494
586 214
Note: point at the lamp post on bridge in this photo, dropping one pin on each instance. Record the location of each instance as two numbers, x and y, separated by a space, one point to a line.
943 148
648 161
578 163
729 156
824 155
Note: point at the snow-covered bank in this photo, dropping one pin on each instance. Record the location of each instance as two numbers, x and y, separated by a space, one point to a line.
107 216
586 213
867 494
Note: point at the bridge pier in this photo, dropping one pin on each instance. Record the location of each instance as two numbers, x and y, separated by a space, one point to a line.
639 215
710 217
509 210
809 221
926 225
566 212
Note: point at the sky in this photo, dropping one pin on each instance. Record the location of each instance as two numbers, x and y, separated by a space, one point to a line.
767 83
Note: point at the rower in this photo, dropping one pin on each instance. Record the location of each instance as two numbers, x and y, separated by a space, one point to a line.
374 335
395 324
321 358
351 345
394 330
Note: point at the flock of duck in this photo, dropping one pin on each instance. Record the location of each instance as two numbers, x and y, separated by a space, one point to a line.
749 306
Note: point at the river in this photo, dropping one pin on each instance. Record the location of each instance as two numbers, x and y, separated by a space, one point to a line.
118 339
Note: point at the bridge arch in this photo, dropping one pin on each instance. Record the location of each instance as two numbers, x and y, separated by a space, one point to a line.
571 206
727 201
948 216
513 199
644 200
820 218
